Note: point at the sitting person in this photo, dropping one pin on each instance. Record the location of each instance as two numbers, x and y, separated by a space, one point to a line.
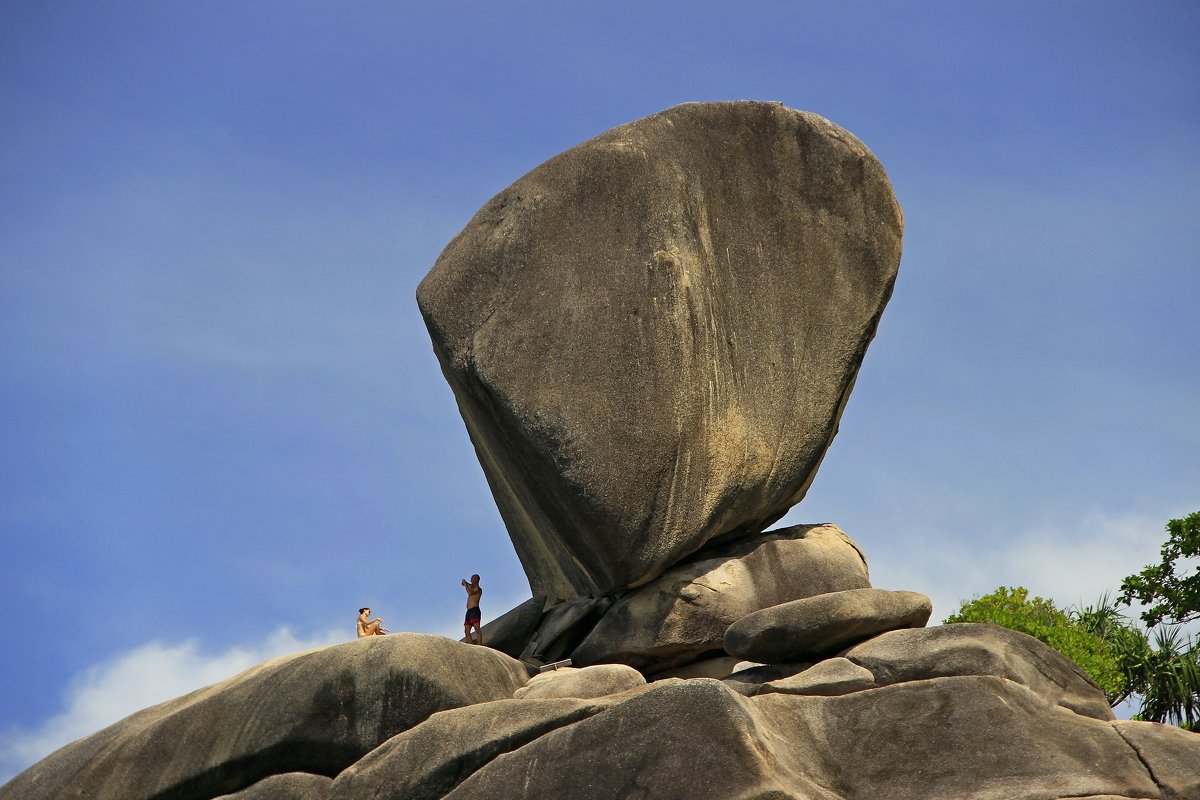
369 627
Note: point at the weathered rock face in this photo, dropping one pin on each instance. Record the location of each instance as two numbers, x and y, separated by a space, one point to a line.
816 626
648 747
981 649
431 759
963 737
318 711
913 741
1169 752
651 336
685 612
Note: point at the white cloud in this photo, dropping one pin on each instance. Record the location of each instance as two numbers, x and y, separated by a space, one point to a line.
150 673
1072 562
1076 565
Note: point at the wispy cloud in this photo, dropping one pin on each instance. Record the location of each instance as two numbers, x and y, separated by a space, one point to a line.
1071 561
150 673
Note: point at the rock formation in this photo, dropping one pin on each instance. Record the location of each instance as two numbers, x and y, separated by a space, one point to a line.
366 720
651 338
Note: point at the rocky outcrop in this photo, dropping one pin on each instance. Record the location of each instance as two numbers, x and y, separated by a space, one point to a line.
318 712
816 626
651 337
684 613
879 722
697 738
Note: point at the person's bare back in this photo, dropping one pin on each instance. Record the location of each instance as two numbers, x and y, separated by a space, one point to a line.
474 592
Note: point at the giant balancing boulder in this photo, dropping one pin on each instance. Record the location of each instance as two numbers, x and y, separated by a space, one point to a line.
652 336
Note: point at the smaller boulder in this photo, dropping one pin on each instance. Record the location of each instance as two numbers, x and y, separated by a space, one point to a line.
814 626
832 677
586 683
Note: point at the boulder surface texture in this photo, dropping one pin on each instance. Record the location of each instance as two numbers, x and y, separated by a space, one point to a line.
685 612
317 711
981 649
651 336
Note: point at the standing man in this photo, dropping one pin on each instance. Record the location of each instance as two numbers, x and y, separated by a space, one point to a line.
474 592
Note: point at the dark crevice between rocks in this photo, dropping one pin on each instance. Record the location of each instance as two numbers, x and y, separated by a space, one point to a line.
314 757
1165 791
563 627
656 673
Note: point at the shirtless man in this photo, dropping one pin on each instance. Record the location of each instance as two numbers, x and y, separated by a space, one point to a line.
474 592
369 627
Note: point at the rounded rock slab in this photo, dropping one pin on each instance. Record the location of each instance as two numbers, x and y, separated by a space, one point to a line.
806 629
975 648
652 336
585 683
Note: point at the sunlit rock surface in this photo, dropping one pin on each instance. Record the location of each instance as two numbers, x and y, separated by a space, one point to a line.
652 336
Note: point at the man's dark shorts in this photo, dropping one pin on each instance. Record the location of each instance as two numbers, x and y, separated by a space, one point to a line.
473 617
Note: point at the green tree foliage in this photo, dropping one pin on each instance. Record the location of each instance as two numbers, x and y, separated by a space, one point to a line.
1013 608
1119 656
1170 681
1128 644
1169 593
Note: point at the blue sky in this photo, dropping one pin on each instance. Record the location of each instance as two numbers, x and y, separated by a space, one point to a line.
224 426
